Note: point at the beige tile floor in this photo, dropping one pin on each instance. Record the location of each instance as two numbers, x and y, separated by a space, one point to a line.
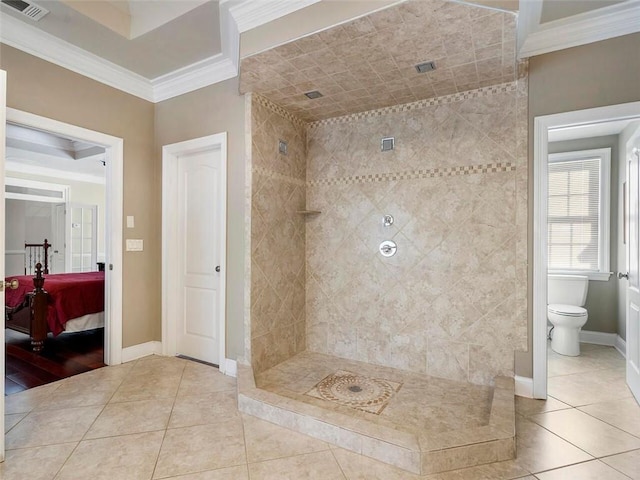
171 418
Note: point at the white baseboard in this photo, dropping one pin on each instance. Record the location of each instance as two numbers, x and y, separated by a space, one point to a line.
141 350
524 386
598 338
229 367
621 346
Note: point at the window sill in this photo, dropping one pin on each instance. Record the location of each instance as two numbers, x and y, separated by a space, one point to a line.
597 276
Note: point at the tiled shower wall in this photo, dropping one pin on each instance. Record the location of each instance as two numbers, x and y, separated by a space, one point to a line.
452 301
277 235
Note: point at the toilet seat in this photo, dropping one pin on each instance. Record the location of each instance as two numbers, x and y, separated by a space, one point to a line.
567 310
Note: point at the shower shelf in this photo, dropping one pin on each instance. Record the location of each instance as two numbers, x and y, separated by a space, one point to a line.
309 212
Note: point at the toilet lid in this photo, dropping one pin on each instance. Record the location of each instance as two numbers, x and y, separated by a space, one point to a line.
568 310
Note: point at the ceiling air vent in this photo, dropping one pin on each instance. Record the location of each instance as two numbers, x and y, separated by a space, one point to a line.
28 9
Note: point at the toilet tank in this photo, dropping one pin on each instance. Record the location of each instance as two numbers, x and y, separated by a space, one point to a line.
567 289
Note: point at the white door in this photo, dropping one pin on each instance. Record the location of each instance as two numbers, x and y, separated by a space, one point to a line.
199 239
633 283
58 241
82 248
3 122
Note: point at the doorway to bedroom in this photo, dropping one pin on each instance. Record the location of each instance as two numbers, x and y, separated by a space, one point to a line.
77 208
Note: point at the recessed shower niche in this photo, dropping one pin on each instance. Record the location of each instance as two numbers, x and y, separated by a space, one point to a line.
324 300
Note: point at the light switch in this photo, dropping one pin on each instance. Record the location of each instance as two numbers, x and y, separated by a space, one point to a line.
134 245
130 221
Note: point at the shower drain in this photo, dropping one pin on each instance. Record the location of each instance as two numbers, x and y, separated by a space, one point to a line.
356 391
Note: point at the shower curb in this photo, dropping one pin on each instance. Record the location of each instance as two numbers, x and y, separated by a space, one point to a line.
415 453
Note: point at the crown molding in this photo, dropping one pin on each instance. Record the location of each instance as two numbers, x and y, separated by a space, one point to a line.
217 68
34 41
250 14
192 77
593 26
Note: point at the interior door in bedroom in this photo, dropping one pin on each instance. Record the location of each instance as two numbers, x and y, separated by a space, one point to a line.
3 123
199 209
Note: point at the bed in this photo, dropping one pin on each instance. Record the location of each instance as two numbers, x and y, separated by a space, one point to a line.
56 303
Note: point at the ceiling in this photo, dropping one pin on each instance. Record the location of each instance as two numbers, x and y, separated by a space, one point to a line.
159 49
189 38
371 62
35 152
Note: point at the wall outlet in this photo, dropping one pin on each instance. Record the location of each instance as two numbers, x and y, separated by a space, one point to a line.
130 221
134 245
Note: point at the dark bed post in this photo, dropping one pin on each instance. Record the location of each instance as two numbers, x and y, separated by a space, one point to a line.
38 311
45 247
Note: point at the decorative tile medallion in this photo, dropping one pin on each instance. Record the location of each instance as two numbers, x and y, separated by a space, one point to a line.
368 394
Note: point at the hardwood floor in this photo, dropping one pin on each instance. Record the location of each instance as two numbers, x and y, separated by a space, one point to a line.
63 356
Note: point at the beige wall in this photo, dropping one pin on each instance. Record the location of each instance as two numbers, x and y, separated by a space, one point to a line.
39 87
594 75
277 235
451 303
214 109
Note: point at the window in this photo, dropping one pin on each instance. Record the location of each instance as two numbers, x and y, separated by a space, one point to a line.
578 213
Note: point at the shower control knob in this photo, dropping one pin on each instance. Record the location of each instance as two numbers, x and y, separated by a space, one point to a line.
388 248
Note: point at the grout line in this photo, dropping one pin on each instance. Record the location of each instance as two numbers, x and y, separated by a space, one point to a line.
164 433
338 463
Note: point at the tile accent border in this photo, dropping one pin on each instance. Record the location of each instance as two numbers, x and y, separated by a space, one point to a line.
278 110
428 102
278 176
416 174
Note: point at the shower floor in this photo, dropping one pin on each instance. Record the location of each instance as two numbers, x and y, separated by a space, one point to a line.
420 423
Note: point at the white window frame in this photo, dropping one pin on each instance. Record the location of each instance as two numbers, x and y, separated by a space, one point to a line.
604 225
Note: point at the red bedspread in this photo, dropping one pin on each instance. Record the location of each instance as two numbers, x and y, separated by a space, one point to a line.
71 295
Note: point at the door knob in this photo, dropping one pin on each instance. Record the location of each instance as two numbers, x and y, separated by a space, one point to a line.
218 268
623 275
13 284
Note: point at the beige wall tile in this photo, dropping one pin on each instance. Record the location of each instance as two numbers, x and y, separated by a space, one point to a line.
451 185
277 237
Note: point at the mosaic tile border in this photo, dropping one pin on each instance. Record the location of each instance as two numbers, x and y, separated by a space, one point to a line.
428 102
278 110
367 394
278 176
416 174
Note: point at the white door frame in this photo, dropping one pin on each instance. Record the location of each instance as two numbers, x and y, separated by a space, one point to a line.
170 155
540 189
3 126
114 147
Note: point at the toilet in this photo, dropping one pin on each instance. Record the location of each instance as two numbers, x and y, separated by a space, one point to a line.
566 296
